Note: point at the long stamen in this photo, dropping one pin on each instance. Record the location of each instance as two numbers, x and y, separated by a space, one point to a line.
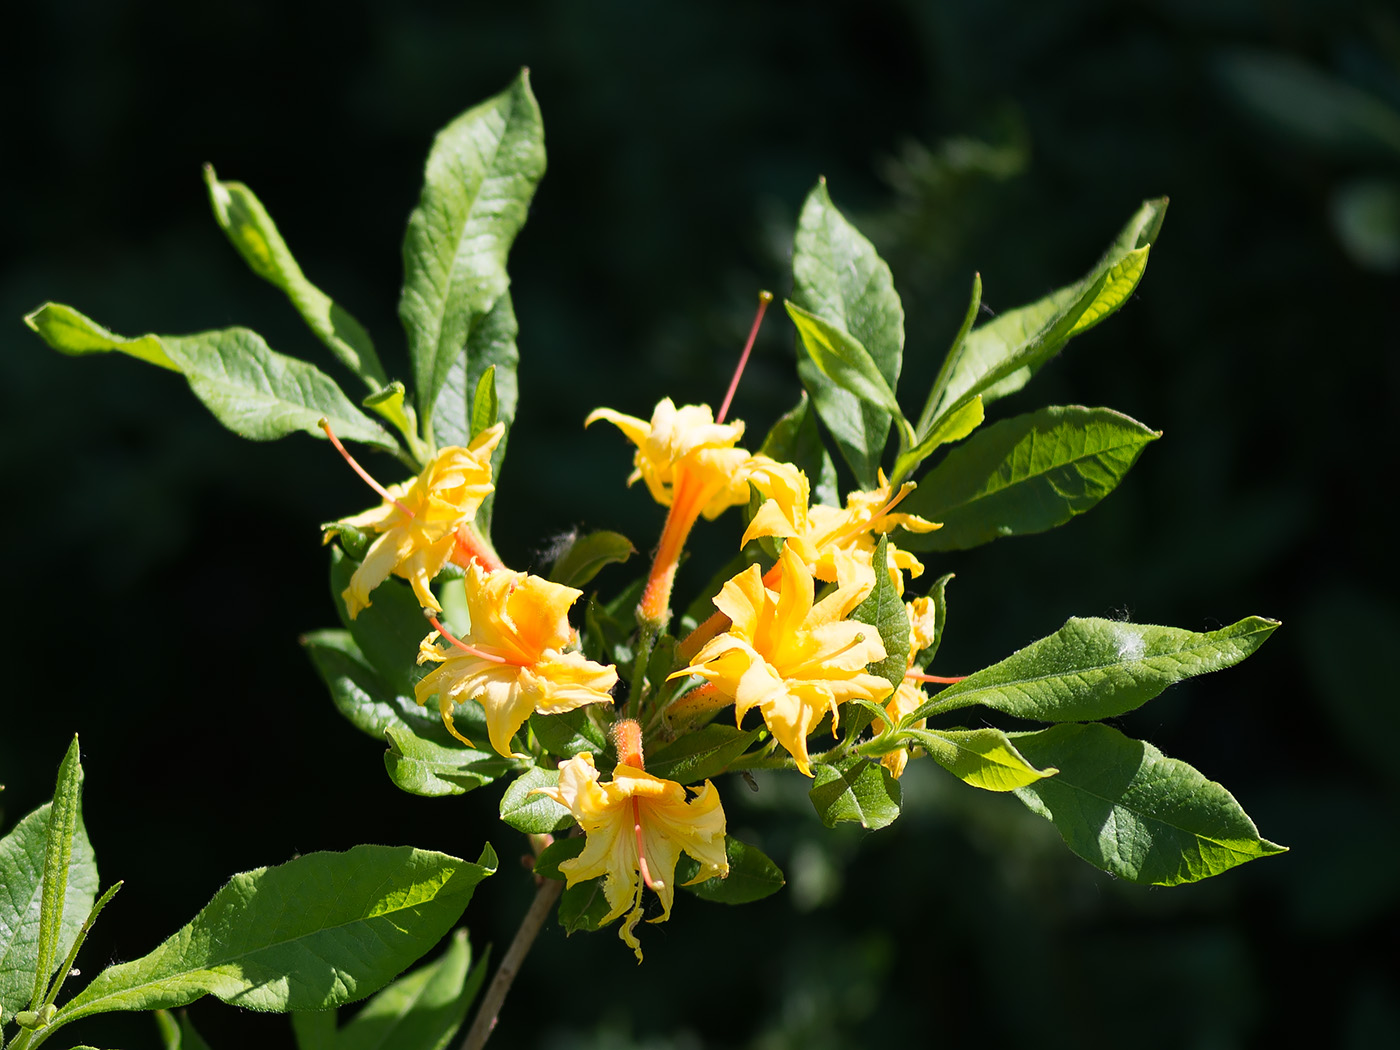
764 298
915 676
641 857
325 425
454 640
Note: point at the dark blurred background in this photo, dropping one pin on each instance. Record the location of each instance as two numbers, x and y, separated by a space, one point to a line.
161 568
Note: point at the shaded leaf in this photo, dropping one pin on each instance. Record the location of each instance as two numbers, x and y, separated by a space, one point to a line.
558 851
700 755
584 557
794 439
752 875
884 610
856 790
582 906
1126 808
532 813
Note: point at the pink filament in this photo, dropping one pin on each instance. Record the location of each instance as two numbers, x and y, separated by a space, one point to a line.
454 640
764 298
364 474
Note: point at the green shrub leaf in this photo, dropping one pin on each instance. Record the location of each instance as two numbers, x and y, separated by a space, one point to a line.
752 876
319 931
584 557
1126 808
700 755
1026 474
1092 668
532 813
984 758
856 790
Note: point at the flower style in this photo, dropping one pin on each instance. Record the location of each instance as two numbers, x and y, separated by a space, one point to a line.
793 660
690 464
923 622
637 826
419 521
829 539
512 659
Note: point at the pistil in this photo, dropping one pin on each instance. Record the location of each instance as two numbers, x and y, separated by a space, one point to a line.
325 425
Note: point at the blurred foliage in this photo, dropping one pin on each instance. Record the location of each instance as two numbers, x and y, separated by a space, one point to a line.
1000 136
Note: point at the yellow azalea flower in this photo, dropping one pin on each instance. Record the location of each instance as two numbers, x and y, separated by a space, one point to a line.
829 539
923 623
690 464
419 522
637 826
512 660
793 660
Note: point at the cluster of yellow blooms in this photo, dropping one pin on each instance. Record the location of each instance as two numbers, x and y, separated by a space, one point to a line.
772 645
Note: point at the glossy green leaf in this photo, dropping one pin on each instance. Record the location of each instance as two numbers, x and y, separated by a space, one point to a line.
1026 474
64 813
319 931
752 876
583 557
388 403
252 232
999 357
839 277
954 426
1092 668
700 755
795 439
984 758
856 790
1126 808
486 407
426 767
22 853
841 359
72 333
534 814
884 610
480 176
570 733
950 361
421 1010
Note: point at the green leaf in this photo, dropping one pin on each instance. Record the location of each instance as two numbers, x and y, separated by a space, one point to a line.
534 814
950 360
1026 474
480 176
583 557
319 931
569 733
314 1029
700 755
884 610
64 813
1126 808
388 403
752 876
22 853
999 357
582 906
984 758
857 790
426 767
843 361
794 439
938 595
250 388
486 407
389 631
490 345
422 1010
72 333
954 426
839 277
251 230
1091 669
558 851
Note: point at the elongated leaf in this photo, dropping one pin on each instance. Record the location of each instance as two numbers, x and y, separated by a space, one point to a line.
1091 669
841 359
252 232
999 357
839 277
950 361
954 426
319 931
856 790
21 896
421 1010
938 595
1125 807
426 767
984 758
389 631
1026 474
794 439
480 176
250 388
490 345
486 407
700 755
752 876
884 610
584 557
64 812
534 814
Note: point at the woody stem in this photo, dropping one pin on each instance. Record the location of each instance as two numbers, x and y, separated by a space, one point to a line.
530 927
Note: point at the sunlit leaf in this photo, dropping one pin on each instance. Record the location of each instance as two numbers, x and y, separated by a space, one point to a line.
985 758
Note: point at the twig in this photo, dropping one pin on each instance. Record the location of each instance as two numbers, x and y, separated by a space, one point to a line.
530 926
